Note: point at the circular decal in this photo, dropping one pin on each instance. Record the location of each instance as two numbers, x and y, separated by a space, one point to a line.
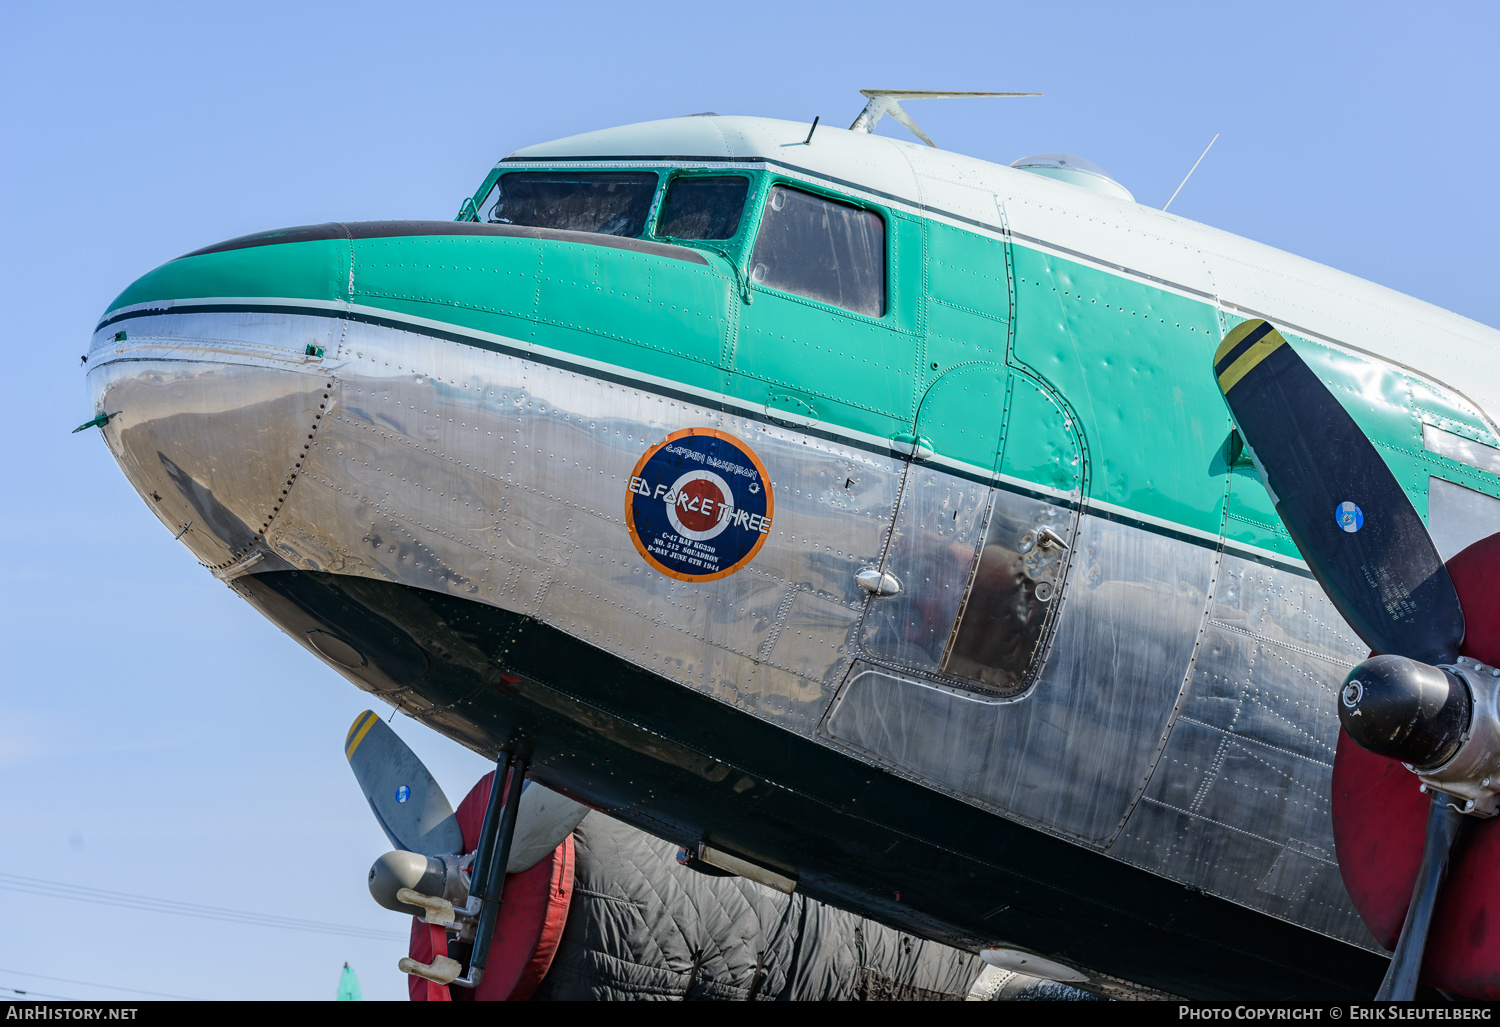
403 793
1350 517
699 505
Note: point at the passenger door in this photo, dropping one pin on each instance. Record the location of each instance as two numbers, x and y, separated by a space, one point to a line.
988 510
981 558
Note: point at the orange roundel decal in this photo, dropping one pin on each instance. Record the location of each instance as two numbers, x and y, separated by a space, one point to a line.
699 505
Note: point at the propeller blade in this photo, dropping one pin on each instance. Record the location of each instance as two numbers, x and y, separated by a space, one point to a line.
543 819
1346 512
1445 826
405 798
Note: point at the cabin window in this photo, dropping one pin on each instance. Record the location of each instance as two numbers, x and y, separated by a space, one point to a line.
703 208
824 250
999 630
607 202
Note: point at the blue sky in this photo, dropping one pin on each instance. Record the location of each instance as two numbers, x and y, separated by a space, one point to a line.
156 735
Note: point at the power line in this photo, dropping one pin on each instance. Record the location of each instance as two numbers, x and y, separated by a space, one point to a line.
91 984
145 903
36 994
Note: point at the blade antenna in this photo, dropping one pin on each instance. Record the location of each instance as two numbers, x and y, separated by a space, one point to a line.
880 102
1189 175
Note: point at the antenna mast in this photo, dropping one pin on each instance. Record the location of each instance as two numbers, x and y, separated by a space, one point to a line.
881 102
1189 175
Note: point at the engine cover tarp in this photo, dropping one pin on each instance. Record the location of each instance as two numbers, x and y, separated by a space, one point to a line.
641 926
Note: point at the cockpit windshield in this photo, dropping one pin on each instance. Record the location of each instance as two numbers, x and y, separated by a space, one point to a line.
606 202
703 207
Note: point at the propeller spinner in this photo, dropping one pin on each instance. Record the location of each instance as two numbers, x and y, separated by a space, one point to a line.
1415 700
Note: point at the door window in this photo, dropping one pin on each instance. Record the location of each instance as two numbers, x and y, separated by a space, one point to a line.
821 249
1020 569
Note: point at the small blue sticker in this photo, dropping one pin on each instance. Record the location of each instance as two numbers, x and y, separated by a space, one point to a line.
403 793
1349 517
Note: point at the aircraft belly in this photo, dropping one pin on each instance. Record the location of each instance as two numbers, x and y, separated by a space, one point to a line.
689 768
1167 729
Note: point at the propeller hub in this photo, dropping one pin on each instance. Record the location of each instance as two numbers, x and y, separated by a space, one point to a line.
1471 777
1442 722
1407 710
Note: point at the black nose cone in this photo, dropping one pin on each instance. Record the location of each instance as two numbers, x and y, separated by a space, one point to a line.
1409 711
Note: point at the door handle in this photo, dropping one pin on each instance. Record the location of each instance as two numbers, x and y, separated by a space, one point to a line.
1048 539
880 584
914 446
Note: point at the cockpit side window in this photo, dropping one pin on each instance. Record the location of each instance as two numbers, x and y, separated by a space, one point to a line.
703 207
606 202
821 249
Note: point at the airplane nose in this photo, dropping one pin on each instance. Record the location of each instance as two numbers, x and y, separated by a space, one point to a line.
217 369
212 438
214 402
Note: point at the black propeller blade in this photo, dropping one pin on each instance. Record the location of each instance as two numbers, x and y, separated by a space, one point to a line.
1345 510
1368 548
1445 826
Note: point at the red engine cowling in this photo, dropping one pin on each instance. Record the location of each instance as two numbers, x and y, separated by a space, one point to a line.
531 921
1379 818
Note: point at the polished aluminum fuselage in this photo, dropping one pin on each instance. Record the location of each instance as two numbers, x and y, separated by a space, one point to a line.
1180 718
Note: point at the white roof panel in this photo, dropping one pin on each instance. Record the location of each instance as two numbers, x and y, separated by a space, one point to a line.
871 161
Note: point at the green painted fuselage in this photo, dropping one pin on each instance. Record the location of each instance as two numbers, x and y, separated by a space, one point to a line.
1130 360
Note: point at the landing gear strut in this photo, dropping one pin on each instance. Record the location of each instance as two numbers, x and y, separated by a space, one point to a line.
487 878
